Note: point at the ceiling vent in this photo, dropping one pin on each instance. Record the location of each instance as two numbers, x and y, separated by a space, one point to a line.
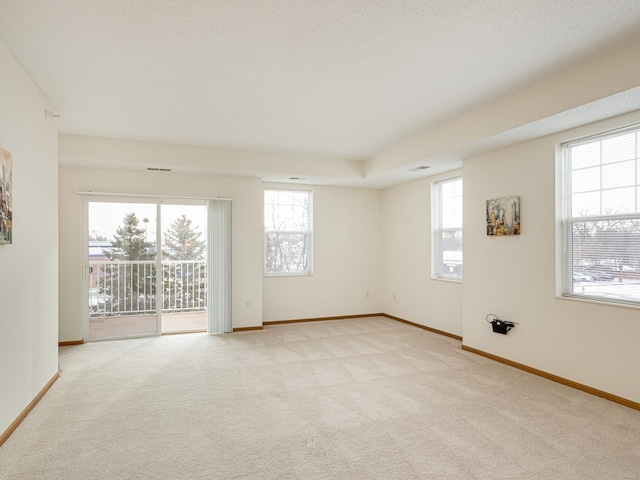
151 169
296 178
418 169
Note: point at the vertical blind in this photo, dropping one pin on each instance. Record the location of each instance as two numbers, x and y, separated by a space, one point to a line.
219 255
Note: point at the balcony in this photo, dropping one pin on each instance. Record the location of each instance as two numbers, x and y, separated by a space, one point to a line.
124 296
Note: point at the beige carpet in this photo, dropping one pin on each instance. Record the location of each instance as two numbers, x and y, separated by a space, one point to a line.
350 399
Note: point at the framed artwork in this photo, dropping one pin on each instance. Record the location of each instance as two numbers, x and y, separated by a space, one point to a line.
503 216
6 191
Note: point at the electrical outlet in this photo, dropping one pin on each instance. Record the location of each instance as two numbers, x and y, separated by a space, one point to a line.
394 296
247 304
366 295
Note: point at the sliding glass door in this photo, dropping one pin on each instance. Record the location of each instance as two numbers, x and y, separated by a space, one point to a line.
147 269
184 268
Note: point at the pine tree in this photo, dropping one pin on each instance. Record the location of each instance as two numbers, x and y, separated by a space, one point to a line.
132 285
182 241
130 242
185 274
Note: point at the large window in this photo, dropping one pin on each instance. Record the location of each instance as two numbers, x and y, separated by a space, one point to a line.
601 217
447 220
287 232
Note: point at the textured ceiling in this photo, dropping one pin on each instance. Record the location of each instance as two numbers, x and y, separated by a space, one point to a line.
333 77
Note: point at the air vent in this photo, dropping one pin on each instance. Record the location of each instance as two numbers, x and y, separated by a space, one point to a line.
417 169
158 169
296 178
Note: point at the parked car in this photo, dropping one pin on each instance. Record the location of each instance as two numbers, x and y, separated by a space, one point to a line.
97 299
599 275
582 277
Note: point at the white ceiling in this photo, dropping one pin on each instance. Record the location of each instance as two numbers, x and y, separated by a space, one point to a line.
333 78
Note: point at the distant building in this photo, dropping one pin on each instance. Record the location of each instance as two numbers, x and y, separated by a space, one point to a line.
97 249
452 262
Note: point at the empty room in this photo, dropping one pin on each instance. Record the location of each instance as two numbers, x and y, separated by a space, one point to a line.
320 240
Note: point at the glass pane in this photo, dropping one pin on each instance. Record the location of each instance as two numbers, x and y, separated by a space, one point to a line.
587 155
122 263
448 189
457 212
451 188
618 201
586 179
583 204
622 147
458 187
286 210
184 268
451 242
606 259
269 215
184 232
451 203
286 253
619 174
448 207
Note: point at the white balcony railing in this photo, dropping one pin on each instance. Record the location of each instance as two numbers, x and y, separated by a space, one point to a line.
134 287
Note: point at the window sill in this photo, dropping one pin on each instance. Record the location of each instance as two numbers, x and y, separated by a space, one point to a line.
278 275
598 302
446 279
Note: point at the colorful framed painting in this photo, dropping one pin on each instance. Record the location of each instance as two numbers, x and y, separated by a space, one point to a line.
6 192
503 216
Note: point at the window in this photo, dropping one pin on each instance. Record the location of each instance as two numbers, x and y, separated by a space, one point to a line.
601 217
447 252
287 232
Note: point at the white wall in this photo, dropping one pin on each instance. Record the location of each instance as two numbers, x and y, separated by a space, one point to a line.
515 277
346 246
407 260
28 267
346 260
246 235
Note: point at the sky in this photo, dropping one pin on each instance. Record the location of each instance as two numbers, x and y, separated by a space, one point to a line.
106 217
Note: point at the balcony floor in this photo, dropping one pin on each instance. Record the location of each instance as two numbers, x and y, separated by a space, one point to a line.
123 326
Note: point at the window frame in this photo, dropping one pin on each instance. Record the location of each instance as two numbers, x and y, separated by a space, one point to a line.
308 233
566 288
437 215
